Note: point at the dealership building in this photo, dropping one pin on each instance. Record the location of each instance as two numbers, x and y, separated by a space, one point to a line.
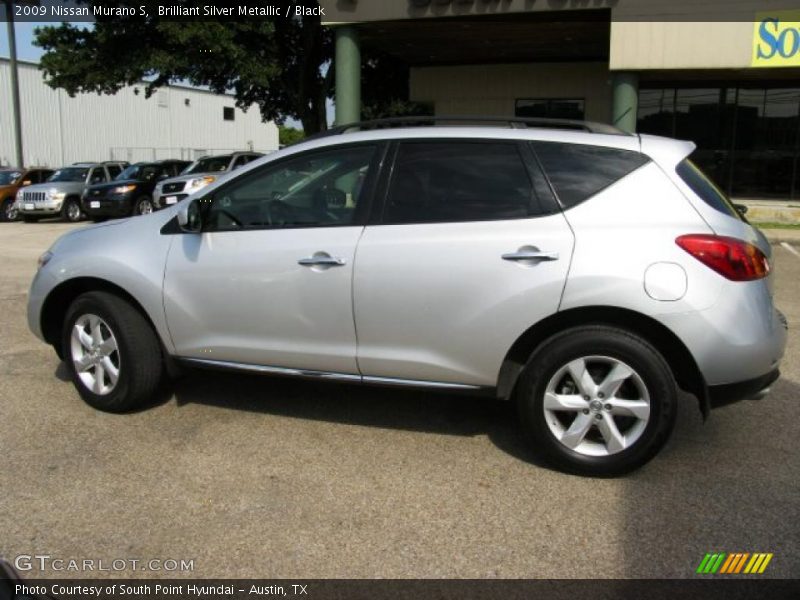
175 122
666 67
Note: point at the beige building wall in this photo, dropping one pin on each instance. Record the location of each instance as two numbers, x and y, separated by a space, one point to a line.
493 89
639 45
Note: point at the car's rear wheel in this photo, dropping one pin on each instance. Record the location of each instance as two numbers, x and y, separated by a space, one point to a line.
112 352
143 206
8 212
71 211
597 400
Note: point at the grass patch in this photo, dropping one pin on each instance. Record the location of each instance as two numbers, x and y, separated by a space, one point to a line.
777 225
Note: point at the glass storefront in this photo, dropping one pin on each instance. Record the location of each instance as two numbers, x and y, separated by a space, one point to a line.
748 138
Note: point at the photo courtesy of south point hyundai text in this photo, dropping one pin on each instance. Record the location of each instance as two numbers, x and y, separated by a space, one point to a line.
462 299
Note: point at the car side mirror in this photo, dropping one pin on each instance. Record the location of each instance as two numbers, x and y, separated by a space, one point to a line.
741 209
190 219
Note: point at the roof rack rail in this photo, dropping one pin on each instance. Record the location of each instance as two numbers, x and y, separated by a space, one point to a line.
512 122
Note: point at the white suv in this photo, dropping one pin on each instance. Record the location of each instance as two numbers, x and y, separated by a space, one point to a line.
584 273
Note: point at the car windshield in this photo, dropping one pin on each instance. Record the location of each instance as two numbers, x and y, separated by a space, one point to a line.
142 172
69 174
131 172
9 177
212 164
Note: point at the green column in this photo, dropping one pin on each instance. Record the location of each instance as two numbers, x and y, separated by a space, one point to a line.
348 75
625 101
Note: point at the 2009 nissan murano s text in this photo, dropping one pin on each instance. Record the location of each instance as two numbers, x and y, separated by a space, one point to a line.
584 273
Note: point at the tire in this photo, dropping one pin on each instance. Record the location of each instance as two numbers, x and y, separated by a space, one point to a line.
31 218
581 436
129 346
7 211
143 206
71 212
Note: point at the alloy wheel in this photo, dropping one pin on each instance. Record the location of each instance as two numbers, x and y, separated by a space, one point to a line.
73 211
596 405
145 207
95 354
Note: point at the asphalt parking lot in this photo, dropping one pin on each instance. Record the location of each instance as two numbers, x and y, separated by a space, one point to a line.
288 479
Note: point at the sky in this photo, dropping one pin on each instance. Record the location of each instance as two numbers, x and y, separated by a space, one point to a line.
27 51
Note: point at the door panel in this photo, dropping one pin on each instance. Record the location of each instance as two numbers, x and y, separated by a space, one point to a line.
269 282
438 302
243 297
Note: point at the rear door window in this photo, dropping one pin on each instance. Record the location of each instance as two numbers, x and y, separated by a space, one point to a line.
452 181
578 171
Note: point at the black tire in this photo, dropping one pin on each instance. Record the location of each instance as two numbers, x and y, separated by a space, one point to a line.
597 341
71 212
140 207
7 213
139 360
31 218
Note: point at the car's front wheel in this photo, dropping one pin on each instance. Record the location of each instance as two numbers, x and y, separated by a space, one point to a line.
112 352
143 206
8 211
71 212
597 400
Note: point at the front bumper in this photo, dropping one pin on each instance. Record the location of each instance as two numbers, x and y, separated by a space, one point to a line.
164 200
48 207
751 389
114 206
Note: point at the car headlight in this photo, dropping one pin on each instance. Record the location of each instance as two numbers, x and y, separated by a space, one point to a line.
44 259
54 194
200 182
123 189
19 195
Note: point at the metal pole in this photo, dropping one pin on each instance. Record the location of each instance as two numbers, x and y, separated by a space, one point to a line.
12 51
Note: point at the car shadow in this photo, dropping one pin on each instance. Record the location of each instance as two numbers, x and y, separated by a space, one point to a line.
438 412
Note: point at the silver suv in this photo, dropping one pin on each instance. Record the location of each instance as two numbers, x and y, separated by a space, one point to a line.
586 274
61 194
202 172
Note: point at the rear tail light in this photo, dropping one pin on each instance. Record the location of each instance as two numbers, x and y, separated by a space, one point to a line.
731 258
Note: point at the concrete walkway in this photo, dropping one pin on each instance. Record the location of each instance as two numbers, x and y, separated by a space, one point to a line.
777 236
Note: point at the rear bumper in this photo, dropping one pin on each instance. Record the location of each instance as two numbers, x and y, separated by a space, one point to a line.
751 389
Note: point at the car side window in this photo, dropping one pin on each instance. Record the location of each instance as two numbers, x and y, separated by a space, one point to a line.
316 189
579 171
453 181
97 175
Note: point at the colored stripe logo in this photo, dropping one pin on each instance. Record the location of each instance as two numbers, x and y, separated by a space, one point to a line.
734 563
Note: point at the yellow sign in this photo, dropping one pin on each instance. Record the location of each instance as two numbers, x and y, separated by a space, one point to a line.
776 39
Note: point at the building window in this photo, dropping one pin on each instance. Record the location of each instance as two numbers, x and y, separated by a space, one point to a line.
228 113
748 138
550 108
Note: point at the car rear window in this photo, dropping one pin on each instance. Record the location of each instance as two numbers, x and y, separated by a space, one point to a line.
578 172
705 188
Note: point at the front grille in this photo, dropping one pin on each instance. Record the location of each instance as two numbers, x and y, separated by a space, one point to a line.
33 196
171 188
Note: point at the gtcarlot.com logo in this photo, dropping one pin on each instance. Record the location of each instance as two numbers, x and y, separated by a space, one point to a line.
734 563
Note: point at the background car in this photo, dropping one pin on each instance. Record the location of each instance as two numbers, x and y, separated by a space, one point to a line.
61 193
131 193
198 175
11 181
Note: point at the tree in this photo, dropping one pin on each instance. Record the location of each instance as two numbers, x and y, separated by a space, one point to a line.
275 64
289 135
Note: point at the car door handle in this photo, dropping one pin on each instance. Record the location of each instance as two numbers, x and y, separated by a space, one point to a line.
322 261
530 255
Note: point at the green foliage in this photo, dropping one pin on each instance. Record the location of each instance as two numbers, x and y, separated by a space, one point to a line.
289 135
274 64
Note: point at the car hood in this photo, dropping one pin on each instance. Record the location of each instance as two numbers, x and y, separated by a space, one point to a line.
61 186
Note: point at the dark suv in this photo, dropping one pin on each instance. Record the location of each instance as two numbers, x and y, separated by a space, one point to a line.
131 193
